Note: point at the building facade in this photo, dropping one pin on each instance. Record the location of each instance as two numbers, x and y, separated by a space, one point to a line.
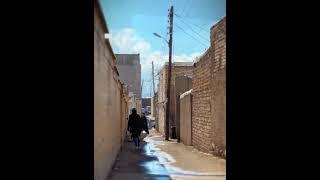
130 72
178 69
146 102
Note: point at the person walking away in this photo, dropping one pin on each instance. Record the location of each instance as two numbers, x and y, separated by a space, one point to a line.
135 127
145 123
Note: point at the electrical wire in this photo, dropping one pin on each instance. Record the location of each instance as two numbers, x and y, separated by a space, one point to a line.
191 35
190 22
195 31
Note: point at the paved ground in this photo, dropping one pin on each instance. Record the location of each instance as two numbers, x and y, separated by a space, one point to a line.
163 160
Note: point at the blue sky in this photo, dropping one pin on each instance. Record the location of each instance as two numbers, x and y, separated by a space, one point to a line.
133 22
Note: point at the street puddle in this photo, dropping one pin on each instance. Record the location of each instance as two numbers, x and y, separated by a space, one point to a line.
155 146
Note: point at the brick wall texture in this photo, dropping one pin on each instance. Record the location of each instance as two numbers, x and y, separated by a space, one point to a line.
209 95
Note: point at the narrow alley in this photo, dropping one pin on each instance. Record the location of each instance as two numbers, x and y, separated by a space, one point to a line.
159 159
180 96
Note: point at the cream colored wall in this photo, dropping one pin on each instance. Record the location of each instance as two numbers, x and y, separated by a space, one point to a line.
107 106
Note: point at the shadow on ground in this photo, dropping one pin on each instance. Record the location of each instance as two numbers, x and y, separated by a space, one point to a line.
138 164
165 160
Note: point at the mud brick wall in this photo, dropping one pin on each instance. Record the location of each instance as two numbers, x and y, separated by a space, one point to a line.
209 95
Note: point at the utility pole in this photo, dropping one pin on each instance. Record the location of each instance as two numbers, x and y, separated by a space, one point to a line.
169 75
154 91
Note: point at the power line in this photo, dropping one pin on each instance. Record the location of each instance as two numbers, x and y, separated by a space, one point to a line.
191 36
191 23
195 31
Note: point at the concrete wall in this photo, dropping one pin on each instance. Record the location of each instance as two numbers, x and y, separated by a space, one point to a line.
108 101
138 106
161 101
132 102
209 96
182 84
124 113
186 119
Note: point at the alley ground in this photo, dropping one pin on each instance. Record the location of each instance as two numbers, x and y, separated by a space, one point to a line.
163 160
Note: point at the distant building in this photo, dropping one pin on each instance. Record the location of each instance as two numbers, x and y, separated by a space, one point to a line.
178 69
146 102
129 68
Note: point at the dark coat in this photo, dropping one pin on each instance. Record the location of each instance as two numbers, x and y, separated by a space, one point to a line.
135 125
145 124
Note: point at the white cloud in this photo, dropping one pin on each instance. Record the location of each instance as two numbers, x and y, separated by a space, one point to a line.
128 41
141 46
186 57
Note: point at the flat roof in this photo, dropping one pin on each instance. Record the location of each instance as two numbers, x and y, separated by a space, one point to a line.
178 64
